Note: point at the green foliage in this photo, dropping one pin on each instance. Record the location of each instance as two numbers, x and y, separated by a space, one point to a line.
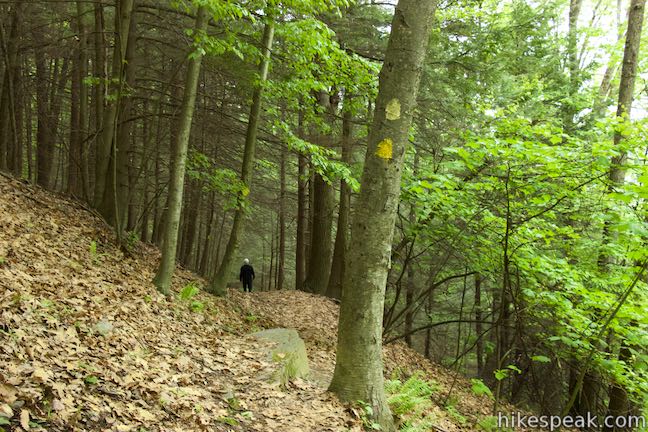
224 181
228 421
187 294
130 240
91 380
479 388
489 424
189 291
322 160
410 400
196 306
366 414
501 374
456 414
95 255
545 195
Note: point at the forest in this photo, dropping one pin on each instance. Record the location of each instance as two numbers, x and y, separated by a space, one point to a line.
466 177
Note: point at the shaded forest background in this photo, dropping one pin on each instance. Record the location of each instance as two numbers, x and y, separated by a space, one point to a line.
520 247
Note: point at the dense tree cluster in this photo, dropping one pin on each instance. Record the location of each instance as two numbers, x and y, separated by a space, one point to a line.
508 240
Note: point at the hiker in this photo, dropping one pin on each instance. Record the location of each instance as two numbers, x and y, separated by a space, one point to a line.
246 276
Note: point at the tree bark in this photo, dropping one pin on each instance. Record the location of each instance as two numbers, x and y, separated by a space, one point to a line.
281 258
43 150
105 150
569 110
77 168
619 402
334 289
628 77
479 345
99 90
359 368
124 142
302 214
218 283
321 245
176 185
10 145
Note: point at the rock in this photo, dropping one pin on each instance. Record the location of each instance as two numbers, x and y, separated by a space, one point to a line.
288 352
103 327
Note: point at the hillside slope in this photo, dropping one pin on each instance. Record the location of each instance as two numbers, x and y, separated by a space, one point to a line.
87 343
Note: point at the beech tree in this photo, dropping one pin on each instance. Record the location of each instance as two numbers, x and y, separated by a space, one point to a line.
358 369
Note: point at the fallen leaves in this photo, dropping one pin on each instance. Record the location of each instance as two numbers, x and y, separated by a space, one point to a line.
87 343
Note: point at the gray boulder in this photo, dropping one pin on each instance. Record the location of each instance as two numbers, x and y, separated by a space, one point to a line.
288 352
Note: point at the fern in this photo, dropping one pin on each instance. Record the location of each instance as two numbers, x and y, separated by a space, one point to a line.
189 291
410 400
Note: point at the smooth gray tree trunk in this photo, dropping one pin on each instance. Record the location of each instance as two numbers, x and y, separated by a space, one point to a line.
359 367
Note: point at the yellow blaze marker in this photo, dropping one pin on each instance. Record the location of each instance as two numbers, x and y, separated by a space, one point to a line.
393 110
385 149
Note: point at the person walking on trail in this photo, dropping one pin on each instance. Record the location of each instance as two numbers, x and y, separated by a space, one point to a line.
246 276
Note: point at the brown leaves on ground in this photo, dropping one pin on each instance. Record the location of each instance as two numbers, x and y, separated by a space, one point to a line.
316 318
87 343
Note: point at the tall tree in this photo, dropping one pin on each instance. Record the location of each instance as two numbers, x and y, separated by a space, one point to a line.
106 149
334 289
218 283
302 213
359 368
10 145
281 259
78 106
176 187
318 269
619 402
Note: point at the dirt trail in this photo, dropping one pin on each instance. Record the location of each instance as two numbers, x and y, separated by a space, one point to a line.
157 365
88 344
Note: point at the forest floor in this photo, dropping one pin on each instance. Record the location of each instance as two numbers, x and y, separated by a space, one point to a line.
87 343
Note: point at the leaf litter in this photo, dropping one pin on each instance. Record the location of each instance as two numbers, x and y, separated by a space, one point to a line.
88 344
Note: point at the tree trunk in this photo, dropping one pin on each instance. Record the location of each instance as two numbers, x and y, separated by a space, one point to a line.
321 245
204 260
105 150
272 254
79 108
193 216
281 263
302 214
176 185
123 141
628 77
334 289
569 110
359 368
219 282
43 150
99 89
479 345
619 403
9 130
